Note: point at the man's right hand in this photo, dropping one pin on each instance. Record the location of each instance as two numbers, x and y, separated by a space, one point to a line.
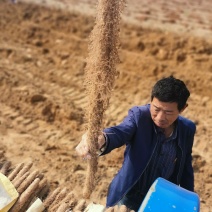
83 147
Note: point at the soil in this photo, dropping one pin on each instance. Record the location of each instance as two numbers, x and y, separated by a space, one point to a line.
43 49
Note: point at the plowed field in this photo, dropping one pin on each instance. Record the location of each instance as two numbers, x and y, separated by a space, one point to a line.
42 96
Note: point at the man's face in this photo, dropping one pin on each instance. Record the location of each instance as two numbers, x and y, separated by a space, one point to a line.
163 113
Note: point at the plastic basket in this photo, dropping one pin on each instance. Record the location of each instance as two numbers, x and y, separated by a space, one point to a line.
164 196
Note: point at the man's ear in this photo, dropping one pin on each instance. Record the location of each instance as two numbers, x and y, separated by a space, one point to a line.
186 105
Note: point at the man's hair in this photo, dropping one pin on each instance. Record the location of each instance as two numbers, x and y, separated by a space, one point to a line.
171 89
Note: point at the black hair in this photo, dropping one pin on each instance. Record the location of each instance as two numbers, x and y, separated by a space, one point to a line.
171 89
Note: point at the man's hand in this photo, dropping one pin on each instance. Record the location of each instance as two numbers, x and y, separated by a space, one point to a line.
83 147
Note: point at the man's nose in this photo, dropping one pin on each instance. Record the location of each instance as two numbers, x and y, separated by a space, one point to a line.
161 115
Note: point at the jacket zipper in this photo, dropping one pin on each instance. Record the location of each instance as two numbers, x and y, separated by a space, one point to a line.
140 174
179 165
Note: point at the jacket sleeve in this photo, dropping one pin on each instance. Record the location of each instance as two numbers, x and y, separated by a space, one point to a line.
123 133
187 180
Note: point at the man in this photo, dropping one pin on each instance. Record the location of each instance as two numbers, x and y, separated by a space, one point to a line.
158 144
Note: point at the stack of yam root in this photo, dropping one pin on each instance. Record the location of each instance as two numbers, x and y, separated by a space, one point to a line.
32 185
121 208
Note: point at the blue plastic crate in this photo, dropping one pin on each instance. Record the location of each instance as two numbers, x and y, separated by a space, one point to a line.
164 196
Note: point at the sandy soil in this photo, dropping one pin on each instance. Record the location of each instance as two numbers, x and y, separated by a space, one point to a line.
42 60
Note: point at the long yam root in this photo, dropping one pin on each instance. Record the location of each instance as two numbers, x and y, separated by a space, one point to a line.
117 208
55 205
25 169
50 199
100 77
15 171
30 178
4 169
44 189
26 197
20 180
80 206
63 207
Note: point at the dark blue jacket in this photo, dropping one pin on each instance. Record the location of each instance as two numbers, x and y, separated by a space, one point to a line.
136 131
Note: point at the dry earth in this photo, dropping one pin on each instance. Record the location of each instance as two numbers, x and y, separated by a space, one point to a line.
42 60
